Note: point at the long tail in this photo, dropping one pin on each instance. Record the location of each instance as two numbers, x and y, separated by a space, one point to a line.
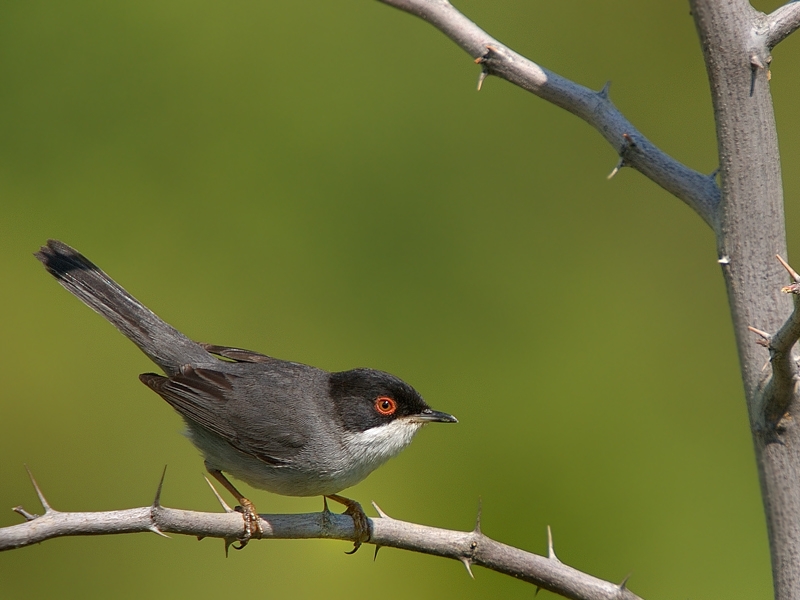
162 343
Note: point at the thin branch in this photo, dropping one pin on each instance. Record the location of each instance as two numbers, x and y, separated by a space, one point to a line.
780 391
782 22
470 548
697 190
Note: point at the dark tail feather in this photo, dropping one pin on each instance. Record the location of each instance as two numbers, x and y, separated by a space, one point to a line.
165 345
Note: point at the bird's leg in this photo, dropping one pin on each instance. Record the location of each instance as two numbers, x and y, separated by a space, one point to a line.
360 520
252 522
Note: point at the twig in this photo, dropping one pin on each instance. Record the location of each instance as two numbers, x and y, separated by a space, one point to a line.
780 391
697 190
782 22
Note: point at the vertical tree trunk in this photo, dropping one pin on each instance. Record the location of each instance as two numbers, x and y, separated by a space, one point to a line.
750 232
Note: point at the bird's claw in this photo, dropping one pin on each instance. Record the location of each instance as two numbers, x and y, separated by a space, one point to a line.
361 525
252 523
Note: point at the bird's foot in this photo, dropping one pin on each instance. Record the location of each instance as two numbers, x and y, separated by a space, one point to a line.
252 523
360 521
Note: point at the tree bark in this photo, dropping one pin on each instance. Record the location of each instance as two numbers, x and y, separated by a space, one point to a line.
750 232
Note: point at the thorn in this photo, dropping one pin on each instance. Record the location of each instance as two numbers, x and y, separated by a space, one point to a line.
551 553
536 593
792 273
325 508
157 499
382 514
629 140
157 531
477 528
25 514
486 55
756 62
624 583
42 499
228 543
222 502
467 563
763 334
484 74
725 260
375 556
713 173
620 164
604 92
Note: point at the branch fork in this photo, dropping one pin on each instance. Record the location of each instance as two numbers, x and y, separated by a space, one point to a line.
781 390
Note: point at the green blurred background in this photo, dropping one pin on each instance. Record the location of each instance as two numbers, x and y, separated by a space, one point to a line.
321 182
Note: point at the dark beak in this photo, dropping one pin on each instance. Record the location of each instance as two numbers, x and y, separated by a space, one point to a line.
433 416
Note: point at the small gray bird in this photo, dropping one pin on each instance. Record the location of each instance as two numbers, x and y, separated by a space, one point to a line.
280 426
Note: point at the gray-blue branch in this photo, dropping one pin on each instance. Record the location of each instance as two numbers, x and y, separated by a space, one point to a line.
696 189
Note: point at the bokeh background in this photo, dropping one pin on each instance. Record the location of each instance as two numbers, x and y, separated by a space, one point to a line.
320 181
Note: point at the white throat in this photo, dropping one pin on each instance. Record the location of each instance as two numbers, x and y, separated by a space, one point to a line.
369 449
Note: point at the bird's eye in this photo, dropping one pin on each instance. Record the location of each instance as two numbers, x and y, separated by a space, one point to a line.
385 405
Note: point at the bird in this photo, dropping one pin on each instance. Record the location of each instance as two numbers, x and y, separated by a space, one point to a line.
280 426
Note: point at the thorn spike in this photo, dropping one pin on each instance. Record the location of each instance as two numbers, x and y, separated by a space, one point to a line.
792 273
375 556
157 499
382 514
624 582
222 502
42 499
551 553
763 334
467 563
616 169
536 593
157 531
481 78
604 92
629 140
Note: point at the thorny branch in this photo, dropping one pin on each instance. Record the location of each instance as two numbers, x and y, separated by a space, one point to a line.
697 190
470 548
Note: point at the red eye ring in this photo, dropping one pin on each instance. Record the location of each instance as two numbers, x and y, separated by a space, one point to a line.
385 405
